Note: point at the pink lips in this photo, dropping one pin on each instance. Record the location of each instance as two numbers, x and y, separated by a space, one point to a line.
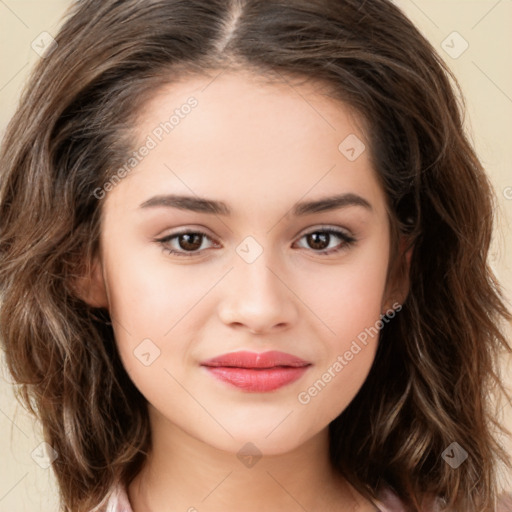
257 372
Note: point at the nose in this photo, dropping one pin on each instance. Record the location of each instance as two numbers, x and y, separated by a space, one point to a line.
257 298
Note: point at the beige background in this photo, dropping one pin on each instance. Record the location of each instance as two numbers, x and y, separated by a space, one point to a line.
483 69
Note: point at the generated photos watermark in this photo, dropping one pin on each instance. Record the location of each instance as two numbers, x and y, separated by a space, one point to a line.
343 360
152 140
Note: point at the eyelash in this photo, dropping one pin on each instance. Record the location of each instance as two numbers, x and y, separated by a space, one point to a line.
347 241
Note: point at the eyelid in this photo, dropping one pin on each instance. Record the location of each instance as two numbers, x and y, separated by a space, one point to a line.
325 227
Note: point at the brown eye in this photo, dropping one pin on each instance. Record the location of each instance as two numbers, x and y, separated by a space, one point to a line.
187 243
190 241
321 239
318 240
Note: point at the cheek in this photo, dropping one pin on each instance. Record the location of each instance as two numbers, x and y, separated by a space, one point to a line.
349 303
335 385
146 305
349 298
150 297
352 312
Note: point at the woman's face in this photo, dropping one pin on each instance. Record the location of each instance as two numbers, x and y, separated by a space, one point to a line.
250 166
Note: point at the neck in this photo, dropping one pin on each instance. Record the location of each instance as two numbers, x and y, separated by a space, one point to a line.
184 473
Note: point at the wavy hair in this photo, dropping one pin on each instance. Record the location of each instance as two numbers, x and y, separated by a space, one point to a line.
438 358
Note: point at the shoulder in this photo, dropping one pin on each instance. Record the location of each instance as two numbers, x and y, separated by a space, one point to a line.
119 501
390 502
116 501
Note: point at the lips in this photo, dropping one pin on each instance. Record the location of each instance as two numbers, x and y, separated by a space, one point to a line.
257 372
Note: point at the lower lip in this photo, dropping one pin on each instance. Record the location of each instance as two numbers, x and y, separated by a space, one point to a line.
257 380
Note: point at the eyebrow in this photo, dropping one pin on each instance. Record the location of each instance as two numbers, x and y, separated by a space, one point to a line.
203 205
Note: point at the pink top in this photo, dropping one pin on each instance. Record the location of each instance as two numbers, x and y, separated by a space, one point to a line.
389 502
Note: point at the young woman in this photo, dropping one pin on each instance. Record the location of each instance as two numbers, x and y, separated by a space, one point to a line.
244 262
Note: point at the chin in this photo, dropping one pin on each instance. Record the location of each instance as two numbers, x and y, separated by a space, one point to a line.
256 443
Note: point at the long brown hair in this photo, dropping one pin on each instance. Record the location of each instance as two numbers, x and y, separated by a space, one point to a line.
437 361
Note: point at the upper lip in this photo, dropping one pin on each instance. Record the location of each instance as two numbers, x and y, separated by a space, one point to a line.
244 359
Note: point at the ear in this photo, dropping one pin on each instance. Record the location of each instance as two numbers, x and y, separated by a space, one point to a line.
398 283
90 286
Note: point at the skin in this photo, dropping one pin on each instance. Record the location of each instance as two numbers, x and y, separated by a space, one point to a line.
260 148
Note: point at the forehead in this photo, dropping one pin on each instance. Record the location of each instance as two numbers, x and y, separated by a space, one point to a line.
295 107
237 134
